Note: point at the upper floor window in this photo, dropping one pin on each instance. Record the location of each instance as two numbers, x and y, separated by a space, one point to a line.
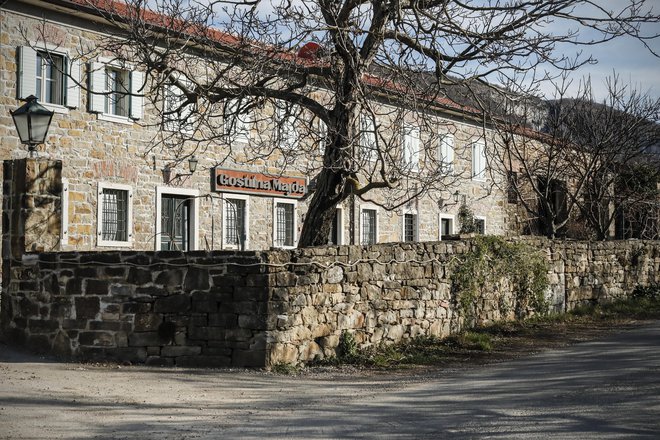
236 120
446 153
115 91
285 116
178 115
411 147
367 142
50 76
478 161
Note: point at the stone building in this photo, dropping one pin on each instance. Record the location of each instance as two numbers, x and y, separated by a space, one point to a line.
117 194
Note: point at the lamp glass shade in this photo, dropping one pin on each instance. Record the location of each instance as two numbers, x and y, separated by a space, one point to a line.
456 196
192 164
32 121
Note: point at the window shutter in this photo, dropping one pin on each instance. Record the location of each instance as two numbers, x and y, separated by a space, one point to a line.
137 80
447 152
97 83
478 160
27 68
71 83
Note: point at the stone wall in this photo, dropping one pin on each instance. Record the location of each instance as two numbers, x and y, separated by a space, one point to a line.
162 308
265 308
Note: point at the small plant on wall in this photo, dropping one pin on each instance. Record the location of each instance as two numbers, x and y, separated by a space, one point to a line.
494 266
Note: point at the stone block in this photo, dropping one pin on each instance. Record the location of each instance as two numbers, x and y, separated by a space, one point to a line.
87 307
252 322
147 322
176 351
42 326
133 307
139 276
196 279
170 277
96 339
144 339
225 320
97 287
248 358
173 304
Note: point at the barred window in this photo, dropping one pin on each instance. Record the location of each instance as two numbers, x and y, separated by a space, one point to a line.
409 227
284 224
368 226
114 211
480 225
235 222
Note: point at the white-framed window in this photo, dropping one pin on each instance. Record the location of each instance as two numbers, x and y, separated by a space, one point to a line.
411 147
480 224
237 121
177 219
446 225
446 153
367 141
177 116
368 225
115 92
114 215
284 223
285 117
410 225
337 232
479 161
235 221
49 74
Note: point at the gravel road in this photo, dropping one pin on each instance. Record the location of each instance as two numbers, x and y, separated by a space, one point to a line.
607 388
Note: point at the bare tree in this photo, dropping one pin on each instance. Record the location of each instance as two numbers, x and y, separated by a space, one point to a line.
590 160
323 68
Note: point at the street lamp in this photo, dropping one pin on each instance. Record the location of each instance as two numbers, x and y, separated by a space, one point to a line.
32 121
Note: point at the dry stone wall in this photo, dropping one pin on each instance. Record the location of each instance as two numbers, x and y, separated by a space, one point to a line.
282 306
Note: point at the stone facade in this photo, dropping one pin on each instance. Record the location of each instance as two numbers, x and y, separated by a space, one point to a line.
283 306
96 150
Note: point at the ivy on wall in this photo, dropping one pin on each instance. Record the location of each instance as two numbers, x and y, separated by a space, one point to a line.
492 263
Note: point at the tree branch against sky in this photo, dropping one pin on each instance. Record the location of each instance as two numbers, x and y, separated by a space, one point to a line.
388 61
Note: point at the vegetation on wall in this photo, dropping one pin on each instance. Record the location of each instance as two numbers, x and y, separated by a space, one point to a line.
466 221
492 263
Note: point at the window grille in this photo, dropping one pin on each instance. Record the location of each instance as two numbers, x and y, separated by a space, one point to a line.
114 215
284 224
368 226
234 221
409 227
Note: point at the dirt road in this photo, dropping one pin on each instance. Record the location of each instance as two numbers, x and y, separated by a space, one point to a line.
608 388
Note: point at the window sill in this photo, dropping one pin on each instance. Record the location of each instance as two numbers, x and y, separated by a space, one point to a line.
122 244
60 109
114 118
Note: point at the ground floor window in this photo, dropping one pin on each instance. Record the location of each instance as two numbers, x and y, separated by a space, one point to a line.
369 226
284 225
446 226
409 226
235 216
480 225
114 214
